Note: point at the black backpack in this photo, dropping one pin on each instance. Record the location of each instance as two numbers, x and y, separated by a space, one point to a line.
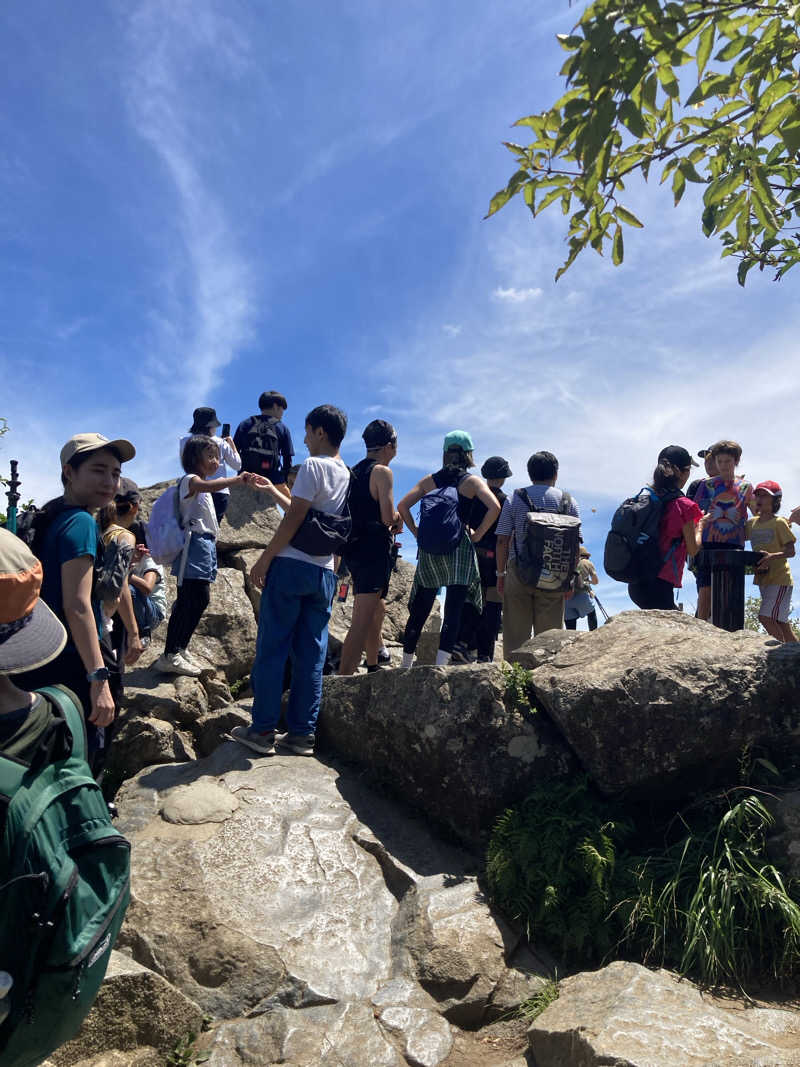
632 553
261 449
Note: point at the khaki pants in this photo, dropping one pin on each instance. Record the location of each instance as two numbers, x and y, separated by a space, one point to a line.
526 608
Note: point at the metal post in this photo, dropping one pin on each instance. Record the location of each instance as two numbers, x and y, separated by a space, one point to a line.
727 587
13 497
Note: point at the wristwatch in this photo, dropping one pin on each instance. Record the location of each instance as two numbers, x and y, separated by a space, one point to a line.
102 674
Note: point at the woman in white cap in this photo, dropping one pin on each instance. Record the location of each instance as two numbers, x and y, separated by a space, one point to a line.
445 552
67 543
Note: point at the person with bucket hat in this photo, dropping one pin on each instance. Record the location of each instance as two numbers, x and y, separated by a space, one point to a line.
445 547
205 424
479 631
68 545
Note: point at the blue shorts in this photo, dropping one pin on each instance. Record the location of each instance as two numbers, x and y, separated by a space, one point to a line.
201 561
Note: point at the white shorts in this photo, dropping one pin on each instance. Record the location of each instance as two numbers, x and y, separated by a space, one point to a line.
776 602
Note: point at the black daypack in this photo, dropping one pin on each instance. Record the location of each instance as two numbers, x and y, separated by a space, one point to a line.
632 553
323 534
548 556
261 449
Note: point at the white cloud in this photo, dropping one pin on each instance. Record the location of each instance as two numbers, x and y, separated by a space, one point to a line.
516 296
452 329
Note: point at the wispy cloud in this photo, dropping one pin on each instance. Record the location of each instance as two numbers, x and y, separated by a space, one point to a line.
516 296
452 329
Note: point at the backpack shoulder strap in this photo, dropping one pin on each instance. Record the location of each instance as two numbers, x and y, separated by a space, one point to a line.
11 774
566 503
524 493
72 716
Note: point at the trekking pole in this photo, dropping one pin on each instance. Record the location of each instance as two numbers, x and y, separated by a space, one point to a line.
13 498
606 616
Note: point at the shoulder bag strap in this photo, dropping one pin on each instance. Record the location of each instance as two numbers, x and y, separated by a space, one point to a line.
73 716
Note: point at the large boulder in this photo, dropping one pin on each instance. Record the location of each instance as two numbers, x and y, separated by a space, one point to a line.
445 738
135 1011
629 1016
659 696
284 889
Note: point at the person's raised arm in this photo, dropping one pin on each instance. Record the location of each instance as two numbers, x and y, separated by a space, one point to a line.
475 488
412 497
145 583
290 524
383 482
230 453
279 493
76 591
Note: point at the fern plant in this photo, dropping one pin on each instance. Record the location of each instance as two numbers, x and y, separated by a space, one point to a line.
551 864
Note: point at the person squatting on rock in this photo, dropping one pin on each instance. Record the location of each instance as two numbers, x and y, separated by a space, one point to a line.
69 549
263 441
725 497
677 531
146 579
445 549
369 551
478 634
581 604
296 573
205 424
770 534
525 607
196 566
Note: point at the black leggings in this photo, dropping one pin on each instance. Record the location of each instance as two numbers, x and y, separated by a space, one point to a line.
190 603
420 608
480 631
655 593
591 618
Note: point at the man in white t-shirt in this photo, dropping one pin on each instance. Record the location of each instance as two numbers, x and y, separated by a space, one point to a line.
297 595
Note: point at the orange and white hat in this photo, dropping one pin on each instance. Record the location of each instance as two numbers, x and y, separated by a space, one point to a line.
30 634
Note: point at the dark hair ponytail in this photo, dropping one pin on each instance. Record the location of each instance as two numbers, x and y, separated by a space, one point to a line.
665 476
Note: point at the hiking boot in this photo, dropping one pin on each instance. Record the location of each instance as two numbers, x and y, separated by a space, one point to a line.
261 742
174 663
300 744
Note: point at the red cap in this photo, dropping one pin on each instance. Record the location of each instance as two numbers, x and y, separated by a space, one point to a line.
770 487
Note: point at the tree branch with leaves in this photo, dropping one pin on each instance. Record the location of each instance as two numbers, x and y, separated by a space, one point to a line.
737 132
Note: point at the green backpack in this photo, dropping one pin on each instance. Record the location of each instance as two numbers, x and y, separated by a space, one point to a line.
64 890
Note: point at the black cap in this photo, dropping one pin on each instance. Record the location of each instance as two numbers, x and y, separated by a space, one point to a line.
204 419
496 467
128 492
379 433
677 456
703 452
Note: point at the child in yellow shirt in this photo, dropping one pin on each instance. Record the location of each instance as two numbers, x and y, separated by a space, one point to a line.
771 535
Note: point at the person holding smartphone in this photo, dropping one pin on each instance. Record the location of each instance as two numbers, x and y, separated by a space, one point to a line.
206 424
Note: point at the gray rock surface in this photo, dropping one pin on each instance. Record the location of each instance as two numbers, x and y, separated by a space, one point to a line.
655 696
137 1013
283 889
784 842
543 648
628 1016
444 738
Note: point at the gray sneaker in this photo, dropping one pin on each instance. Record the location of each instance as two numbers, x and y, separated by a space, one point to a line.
174 663
262 743
300 744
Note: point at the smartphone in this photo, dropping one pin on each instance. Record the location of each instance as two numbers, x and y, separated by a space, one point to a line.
226 429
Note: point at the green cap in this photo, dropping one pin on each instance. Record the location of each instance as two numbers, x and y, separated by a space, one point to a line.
458 439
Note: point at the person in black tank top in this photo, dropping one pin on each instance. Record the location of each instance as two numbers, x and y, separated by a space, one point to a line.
369 555
478 634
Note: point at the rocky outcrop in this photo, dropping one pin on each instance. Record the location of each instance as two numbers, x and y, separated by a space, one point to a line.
287 895
659 696
445 739
629 1016
136 1012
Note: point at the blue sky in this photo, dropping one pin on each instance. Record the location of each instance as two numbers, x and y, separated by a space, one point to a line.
202 200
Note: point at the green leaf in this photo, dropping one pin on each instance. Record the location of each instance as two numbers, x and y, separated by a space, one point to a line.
708 217
689 172
788 108
732 50
569 42
729 211
745 266
678 185
790 135
498 200
617 247
669 83
704 46
722 187
628 217
778 89
632 118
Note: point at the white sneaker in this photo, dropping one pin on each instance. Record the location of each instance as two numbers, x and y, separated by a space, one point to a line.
187 657
174 663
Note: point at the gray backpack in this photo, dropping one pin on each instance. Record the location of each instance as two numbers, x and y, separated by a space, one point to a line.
548 556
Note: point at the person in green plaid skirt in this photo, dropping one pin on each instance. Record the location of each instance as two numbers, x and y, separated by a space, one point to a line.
445 544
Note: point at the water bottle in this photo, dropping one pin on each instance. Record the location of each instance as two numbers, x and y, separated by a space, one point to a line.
6 982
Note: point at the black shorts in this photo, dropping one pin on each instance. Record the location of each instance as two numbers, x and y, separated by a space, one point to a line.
371 573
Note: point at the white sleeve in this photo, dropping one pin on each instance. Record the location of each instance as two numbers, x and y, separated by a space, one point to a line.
307 483
229 455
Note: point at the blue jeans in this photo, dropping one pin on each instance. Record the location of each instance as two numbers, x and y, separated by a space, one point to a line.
293 621
145 611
